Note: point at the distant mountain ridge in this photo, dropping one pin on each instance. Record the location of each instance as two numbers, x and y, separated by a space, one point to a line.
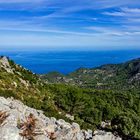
111 76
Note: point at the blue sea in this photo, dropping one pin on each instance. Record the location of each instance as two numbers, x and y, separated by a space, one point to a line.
42 62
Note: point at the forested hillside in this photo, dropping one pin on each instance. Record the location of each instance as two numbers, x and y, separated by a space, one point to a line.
87 106
112 76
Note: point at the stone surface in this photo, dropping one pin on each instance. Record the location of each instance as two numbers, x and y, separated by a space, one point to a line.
101 135
70 117
4 63
45 128
9 132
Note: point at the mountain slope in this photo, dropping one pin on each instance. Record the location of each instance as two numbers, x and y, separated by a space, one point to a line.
88 107
112 76
22 84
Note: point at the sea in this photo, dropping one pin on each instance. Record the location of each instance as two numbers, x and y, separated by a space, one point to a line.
43 62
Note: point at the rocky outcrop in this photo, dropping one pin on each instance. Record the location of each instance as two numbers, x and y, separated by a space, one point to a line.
4 63
17 121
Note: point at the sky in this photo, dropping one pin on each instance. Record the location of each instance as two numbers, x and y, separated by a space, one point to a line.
70 24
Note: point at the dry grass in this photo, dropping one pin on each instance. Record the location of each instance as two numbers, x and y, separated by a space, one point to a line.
28 127
3 116
52 136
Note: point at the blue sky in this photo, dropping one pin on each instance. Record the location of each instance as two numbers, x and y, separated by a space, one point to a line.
70 24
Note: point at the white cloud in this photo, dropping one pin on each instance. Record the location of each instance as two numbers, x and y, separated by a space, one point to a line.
67 42
131 10
47 31
114 13
21 1
125 12
123 31
28 26
39 29
134 20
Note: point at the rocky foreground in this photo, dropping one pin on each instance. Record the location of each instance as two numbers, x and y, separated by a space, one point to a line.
18 122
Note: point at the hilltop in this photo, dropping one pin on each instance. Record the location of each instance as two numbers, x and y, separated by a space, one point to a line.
120 109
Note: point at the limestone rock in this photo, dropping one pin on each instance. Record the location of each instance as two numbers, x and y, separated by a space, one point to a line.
4 63
44 128
9 133
102 135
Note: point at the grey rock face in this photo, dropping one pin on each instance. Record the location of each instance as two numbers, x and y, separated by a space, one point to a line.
4 63
9 132
101 135
14 125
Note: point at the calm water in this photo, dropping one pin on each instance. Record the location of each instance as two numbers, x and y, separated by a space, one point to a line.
68 61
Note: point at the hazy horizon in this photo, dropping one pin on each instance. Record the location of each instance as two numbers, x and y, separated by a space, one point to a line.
42 48
41 62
